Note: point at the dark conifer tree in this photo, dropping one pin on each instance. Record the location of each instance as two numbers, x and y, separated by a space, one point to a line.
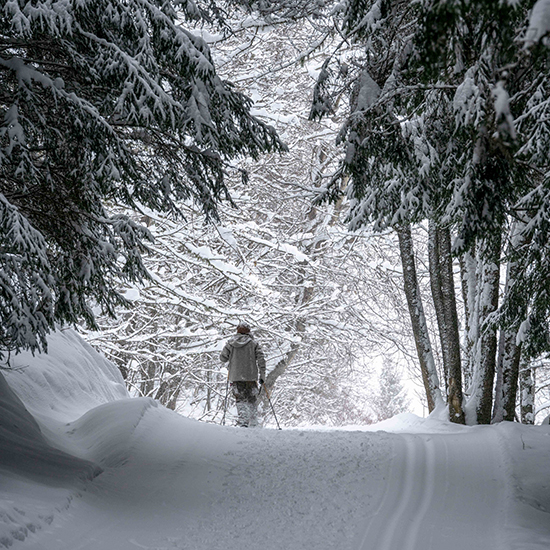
102 102
448 122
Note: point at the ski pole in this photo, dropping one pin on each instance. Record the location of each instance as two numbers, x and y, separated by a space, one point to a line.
270 403
225 401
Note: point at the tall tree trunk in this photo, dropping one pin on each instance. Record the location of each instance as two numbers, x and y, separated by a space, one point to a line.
508 374
418 319
436 286
486 366
509 359
527 394
509 349
443 292
469 283
454 367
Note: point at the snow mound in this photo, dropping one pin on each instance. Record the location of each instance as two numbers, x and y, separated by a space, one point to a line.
64 413
105 433
24 449
64 417
67 382
436 422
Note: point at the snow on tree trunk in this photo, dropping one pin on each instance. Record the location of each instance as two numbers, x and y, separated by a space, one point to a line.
510 347
469 279
282 364
418 319
527 394
481 399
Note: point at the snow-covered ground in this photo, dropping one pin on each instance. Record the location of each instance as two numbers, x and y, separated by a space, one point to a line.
147 478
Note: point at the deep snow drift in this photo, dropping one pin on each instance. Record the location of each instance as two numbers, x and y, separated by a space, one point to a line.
97 470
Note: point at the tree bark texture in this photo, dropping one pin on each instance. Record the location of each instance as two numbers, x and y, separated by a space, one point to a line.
443 292
454 367
437 293
509 349
418 319
509 360
527 394
488 336
469 283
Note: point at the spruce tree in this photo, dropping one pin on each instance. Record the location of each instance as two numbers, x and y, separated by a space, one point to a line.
103 103
448 123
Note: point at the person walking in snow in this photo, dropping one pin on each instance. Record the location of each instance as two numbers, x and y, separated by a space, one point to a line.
246 362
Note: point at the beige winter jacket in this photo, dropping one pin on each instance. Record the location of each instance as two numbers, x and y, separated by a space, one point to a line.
246 358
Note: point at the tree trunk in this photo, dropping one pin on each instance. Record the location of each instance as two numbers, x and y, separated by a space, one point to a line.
508 372
483 390
149 373
469 283
527 394
454 367
443 292
418 319
436 286
510 350
281 366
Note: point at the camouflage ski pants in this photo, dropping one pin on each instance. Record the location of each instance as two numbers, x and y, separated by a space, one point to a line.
245 394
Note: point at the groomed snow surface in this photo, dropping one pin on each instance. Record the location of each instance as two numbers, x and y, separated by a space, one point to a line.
97 470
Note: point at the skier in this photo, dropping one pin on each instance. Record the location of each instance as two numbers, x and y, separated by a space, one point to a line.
246 361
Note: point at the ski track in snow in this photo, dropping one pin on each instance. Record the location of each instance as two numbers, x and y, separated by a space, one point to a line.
170 483
415 513
213 488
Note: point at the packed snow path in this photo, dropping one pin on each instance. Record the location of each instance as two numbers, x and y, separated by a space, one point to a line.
443 491
186 485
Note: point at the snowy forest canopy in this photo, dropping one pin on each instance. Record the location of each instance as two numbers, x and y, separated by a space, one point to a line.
374 176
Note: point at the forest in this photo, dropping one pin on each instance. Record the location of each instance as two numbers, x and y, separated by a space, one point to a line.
366 183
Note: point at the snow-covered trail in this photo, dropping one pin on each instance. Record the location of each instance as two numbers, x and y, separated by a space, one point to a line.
192 486
173 483
443 491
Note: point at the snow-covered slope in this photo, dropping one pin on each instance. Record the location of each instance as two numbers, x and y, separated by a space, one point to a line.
68 381
45 460
172 483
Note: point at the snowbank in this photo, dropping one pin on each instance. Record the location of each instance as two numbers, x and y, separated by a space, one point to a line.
67 382
44 457
170 482
25 450
39 395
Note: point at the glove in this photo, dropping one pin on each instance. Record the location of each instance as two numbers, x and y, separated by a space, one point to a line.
261 381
